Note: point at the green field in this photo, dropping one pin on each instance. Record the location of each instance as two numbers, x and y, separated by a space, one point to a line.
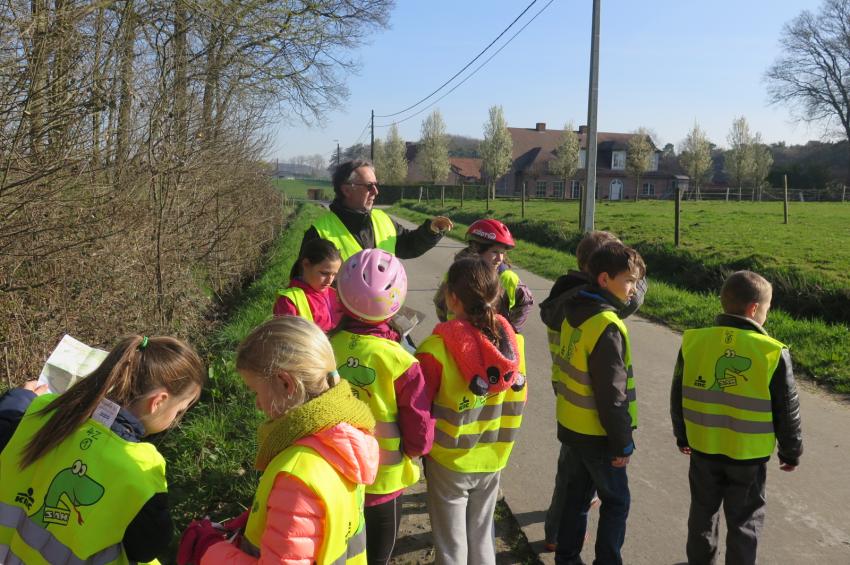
297 188
807 260
820 349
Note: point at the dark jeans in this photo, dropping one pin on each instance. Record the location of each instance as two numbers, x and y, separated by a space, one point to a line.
589 471
553 515
382 522
740 488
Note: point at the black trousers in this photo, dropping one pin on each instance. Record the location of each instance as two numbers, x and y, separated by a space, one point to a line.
382 522
740 488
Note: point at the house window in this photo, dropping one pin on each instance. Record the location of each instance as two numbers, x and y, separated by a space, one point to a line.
558 189
541 188
582 158
648 189
575 189
618 160
653 163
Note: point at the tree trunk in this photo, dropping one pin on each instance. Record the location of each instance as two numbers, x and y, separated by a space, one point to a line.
125 86
637 189
38 69
181 126
97 94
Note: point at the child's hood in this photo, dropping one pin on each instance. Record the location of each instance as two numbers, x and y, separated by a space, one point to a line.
552 310
588 302
485 367
350 450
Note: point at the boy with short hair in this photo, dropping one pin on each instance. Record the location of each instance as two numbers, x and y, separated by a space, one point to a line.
732 399
596 404
552 312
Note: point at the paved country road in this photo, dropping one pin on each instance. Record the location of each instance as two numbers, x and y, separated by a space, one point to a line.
808 511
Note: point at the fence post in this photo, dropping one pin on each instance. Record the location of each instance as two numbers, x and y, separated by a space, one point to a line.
785 179
523 198
420 195
488 196
461 196
727 194
676 216
843 190
442 196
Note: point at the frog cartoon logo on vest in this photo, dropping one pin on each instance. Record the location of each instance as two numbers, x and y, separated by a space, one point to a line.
359 376
68 490
728 368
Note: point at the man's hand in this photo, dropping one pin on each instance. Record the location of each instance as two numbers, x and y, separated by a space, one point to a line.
620 461
441 224
787 467
686 450
36 388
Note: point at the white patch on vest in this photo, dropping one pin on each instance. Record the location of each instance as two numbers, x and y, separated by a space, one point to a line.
106 412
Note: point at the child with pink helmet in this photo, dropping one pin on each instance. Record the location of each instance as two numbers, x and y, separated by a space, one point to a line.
372 286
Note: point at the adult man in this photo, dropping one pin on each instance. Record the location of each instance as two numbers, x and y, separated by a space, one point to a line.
352 224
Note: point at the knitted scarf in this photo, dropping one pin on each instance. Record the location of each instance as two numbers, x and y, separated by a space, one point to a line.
332 407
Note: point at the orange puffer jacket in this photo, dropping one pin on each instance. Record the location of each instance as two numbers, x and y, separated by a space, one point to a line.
296 516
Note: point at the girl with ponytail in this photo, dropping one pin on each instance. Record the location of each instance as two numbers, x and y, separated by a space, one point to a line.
78 460
475 368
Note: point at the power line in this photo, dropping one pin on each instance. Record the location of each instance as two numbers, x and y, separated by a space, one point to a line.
504 31
470 75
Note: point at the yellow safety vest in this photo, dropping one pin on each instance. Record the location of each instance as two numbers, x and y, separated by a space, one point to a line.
576 406
299 298
344 533
510 282
74 504
473 434
726 391
371 365
330 227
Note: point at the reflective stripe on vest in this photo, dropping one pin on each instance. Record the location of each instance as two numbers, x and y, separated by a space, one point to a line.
726 391
371 365
576 406
330 227
344 528
74 503
473 433
299 299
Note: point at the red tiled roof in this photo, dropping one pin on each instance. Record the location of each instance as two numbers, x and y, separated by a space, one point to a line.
533 147
466 166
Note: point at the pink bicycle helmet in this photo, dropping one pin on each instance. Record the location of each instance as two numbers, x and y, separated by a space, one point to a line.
372 285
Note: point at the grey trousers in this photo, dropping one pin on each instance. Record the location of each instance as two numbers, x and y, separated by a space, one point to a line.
461 507
740 488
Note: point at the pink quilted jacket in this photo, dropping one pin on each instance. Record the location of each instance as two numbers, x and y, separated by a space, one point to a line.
296 516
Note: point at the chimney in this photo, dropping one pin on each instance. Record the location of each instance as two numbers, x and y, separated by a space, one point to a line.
582 129
540 126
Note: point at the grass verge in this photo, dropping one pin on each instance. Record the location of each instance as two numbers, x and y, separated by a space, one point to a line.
819 349
210 455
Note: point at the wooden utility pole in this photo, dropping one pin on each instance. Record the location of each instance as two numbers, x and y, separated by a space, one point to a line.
785 199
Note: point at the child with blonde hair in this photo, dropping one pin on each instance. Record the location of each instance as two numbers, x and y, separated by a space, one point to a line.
316 451
77 481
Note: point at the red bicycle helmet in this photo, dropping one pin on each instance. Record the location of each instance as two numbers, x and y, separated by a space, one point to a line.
490 231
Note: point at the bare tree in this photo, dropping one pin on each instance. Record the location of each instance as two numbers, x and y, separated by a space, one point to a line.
435 148
496 149
812 75
639 156
762 162
695 157
565 163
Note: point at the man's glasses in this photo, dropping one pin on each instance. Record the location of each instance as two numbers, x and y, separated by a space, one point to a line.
366 185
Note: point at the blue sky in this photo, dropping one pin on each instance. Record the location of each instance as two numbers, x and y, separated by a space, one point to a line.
663 64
